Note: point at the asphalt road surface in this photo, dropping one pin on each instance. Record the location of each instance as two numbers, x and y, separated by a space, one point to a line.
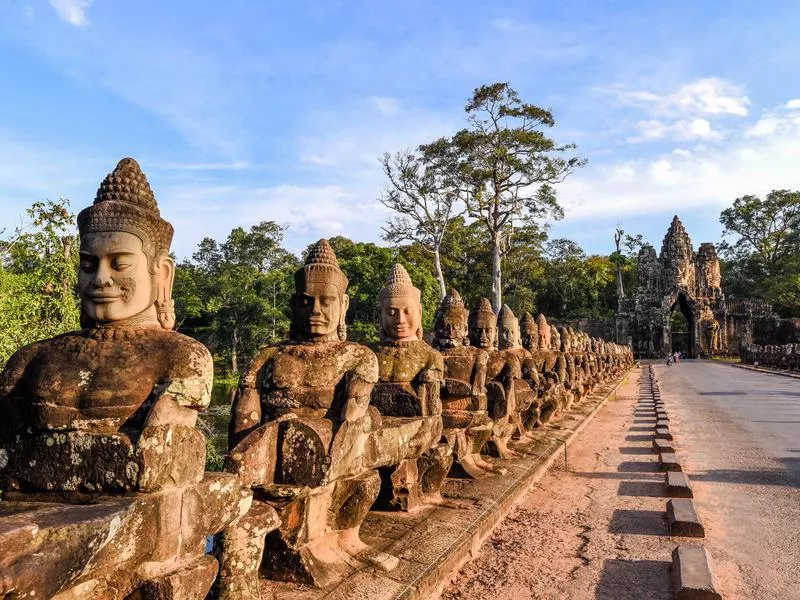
738 437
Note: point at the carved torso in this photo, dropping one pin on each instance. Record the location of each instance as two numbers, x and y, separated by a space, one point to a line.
102 380
410 374
309 380
465 378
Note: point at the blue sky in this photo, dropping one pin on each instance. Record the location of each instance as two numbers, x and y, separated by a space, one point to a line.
245 111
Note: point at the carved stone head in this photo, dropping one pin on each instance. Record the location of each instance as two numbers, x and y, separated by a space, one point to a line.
320 301
126 274
544 332
482 325
566 339
451 322
508 335
555 338
400 308
529 332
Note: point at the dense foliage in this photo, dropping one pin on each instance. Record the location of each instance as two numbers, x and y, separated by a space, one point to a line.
764 258
38 275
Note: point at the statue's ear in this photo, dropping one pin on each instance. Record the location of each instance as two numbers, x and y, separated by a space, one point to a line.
165 279
345 306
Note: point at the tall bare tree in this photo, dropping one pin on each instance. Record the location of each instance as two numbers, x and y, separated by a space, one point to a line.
508 165
422 193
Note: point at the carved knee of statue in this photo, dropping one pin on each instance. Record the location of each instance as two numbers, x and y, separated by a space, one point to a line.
433 466
549 405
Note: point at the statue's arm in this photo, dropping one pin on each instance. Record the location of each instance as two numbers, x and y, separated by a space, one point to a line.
186 389
428 384
479 374
360 383
246 408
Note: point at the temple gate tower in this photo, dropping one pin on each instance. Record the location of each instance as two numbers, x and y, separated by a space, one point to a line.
679 304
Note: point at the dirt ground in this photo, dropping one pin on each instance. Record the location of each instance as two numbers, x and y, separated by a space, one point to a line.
596 529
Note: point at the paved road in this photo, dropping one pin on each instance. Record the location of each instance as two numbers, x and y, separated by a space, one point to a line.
738 436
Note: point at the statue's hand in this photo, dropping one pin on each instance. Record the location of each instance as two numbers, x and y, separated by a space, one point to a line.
354 409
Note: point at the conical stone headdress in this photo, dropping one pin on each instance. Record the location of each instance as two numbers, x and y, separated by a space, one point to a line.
125 202
544 332
452 300
483 313
506 315
321 266
527 322
399 284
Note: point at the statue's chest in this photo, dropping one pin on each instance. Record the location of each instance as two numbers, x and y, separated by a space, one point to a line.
400 366
304 370
498 362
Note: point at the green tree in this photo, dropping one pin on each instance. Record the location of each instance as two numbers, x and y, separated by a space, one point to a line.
38 277
508 166
235 295
764 258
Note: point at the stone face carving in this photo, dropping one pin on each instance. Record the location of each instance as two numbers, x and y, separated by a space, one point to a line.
100 425
464 406
709 278
303 436
410 376
678 256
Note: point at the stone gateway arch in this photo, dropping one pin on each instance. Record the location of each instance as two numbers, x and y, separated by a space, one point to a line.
679 304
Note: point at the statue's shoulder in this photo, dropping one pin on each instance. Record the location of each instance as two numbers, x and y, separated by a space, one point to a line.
363 361
55 344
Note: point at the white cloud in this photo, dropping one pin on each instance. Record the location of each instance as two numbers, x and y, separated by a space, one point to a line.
793 103
707 96
72 11
687 180
652 129
311 212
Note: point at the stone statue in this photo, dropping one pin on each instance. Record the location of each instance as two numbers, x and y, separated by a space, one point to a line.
526 386
300 436
410 376
567 396
101 466
574 380
501 371
464 406
553 367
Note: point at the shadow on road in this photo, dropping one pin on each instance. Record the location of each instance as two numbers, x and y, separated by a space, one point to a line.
639 438
636 450
790 477
633 466
639 522
650 489
634 580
